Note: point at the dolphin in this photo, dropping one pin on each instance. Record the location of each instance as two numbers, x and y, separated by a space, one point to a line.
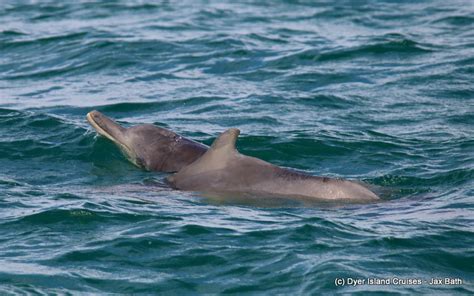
222 170
148 146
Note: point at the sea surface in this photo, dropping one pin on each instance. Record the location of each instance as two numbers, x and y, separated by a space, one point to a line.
376 91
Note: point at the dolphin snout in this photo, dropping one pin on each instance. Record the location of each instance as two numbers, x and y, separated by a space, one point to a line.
97 118
106 126
94 114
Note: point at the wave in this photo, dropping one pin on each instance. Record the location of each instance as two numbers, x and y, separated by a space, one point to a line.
390 44
80 53
455 20
378 92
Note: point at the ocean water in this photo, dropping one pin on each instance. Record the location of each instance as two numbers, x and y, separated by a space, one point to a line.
378 91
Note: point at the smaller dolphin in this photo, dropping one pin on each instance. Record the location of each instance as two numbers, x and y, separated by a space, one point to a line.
148 146
223 170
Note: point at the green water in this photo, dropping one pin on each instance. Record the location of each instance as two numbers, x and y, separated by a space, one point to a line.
379 91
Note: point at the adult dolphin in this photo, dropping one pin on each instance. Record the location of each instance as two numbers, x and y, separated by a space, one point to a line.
223 170
148 146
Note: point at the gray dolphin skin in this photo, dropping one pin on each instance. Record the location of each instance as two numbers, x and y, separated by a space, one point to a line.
223 170
148 146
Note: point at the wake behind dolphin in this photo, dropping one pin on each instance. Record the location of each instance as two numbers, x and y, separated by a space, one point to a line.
221 169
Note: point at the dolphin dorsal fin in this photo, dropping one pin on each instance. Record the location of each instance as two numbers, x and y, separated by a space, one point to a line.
226 140
217 157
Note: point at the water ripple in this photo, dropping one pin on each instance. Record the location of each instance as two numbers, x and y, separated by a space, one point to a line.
379 91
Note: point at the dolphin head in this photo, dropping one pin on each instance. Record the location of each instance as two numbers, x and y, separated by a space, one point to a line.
148 146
